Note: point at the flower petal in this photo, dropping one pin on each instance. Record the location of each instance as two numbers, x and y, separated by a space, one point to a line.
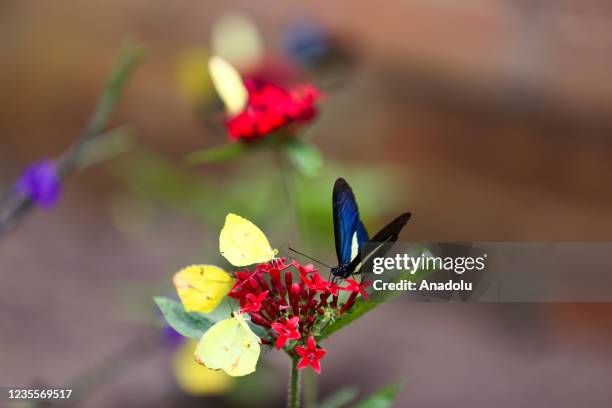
280 341
316 366
311 344
303 363
292 323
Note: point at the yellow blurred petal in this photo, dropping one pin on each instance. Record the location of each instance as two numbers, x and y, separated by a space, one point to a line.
236 39
192 75
202 287
229 85
242 243
194 378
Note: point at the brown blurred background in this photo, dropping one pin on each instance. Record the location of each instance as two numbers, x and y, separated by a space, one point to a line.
496 116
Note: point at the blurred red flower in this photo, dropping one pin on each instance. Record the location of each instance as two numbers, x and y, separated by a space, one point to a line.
271 107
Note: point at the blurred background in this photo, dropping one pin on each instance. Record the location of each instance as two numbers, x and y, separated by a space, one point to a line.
488 120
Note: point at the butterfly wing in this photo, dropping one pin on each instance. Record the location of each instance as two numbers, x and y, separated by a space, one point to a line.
231 346
384 238
202 287
349 231
229 85
242 243
362 234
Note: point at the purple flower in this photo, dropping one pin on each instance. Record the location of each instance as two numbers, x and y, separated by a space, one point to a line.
41 183
172 338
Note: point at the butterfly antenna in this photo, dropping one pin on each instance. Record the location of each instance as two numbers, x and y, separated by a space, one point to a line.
312 259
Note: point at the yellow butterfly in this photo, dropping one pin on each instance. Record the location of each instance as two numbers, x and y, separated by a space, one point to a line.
242 243
202 287
231 346
229 85
194 378
236 39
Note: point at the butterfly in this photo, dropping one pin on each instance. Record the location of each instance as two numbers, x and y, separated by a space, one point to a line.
350 233
242 243
201 288
230 345
229 85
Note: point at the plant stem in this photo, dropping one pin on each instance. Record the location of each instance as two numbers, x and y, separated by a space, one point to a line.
14 207
286 171
293 396
285 175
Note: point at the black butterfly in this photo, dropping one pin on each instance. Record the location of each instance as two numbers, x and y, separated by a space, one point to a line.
350 234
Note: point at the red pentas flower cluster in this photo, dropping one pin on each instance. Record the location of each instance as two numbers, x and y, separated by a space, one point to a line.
271 107
293 310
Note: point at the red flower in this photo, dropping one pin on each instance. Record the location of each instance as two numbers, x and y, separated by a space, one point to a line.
315 282
310 355
253 303
333 289
304 268
356 287
270 107
286 331
252 278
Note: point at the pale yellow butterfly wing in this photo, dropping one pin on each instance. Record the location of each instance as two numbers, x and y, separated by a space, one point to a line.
202 287
194 378
354 246
229 85
242 243
236 39
231 346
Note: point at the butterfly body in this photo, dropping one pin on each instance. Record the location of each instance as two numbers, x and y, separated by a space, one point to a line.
350 233
341 271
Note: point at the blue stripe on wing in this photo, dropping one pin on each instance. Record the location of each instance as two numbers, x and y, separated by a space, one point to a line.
362 234
346 221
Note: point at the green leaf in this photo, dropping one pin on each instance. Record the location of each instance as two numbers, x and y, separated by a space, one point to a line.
105 147
340 398
216 154
360 308
188 324
363 306
383 398
258 330
192 324
304 156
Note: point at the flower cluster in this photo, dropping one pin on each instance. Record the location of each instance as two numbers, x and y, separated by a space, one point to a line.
270 107
293 310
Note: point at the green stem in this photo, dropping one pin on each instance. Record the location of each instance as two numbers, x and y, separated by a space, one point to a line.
130 56
293 396
14 207
285 174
